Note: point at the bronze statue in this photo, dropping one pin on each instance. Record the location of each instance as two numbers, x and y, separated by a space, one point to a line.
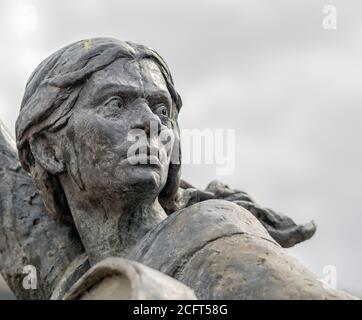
93 222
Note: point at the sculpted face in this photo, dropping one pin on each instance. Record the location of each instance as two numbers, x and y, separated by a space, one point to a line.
126 104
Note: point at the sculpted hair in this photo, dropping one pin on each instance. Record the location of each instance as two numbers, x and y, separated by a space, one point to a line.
50 95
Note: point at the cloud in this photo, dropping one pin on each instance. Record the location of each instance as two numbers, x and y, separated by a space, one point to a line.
265 68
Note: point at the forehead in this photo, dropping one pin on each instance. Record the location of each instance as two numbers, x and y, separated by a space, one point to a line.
140 78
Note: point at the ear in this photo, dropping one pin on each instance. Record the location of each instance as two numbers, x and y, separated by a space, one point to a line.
47 154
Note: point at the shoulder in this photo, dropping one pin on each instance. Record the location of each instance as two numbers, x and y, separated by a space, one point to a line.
190 229
217 215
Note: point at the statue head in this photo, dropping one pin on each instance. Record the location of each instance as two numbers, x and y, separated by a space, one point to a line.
85 107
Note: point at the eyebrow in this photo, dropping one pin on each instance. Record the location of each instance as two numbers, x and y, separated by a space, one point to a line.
108 89
126 90
159 95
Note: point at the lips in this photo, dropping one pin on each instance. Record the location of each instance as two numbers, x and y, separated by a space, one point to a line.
142 159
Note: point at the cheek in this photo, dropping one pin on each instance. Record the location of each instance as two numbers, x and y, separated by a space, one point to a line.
169 143
166 137
95 143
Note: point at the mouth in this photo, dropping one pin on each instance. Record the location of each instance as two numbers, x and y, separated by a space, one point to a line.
142 160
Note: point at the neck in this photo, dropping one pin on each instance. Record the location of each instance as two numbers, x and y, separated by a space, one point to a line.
111 228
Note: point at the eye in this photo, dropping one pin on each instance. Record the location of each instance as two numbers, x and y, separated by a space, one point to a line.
116 102
162 110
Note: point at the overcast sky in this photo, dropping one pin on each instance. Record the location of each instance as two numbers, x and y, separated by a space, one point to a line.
268 69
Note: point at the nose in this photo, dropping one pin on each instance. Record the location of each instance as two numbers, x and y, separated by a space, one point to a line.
145 120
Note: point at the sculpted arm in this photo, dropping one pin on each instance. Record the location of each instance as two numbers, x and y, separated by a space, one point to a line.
280 227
